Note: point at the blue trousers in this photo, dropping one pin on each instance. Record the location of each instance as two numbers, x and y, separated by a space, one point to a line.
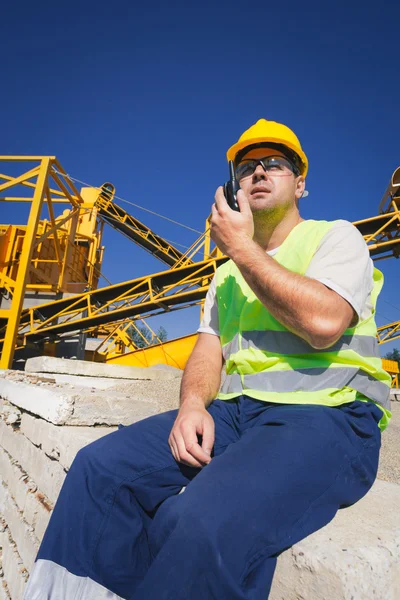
278 473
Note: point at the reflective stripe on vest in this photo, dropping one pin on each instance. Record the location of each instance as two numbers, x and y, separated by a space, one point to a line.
285 342
312 380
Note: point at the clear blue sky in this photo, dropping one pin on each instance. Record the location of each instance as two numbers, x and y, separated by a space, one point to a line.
150 95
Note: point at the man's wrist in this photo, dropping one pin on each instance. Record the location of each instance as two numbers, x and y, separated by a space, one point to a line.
245 252
192 402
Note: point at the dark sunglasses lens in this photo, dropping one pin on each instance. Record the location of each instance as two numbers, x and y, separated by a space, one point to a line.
245 169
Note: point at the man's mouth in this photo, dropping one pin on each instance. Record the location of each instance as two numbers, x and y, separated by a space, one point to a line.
260 189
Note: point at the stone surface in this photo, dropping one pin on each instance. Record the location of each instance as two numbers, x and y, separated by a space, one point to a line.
47 474
51 404
37 512
389 462
34 504
21 533
395 395
15 574
97 383
16 480
76 407
3 590
61 443
50 364
355 557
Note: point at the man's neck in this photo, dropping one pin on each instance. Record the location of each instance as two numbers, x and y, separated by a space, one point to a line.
269 234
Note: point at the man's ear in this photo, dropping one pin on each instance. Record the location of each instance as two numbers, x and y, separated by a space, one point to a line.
300 186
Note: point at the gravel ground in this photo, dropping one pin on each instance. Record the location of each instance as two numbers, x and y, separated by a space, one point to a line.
389 466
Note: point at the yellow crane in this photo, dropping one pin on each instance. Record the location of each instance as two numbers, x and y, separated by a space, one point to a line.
184 284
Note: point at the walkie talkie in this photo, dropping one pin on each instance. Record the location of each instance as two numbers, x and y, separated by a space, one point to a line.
231 188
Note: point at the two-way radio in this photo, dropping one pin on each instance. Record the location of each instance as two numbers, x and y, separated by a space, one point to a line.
231 188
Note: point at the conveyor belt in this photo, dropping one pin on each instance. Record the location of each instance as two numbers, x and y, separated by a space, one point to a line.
139 233
159 292
164 291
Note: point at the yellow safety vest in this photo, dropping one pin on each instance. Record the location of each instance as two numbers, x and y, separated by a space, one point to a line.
265 361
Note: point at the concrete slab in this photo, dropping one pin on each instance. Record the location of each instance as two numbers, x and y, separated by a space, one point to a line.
48 474
395 395
60 443
76 407
355 557
51 404
37 513
50 364
17 481
4 595
26 542
97 383
15 574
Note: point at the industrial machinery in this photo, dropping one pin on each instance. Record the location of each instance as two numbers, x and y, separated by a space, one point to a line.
50 269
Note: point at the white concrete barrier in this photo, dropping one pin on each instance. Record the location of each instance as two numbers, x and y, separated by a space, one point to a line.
356 557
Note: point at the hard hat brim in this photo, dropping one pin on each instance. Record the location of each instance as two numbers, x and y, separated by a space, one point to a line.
233 150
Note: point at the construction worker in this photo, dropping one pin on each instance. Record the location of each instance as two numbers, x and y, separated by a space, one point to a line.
197 504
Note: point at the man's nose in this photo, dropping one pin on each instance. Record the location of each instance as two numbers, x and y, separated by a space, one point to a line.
259 172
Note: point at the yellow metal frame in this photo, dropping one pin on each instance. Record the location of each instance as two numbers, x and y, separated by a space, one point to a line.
184 284
21 247
392 367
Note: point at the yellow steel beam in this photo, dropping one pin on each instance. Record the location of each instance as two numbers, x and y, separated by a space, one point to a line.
139 233
389 332
53 223
7 353
17 180
118 302
55 227
21 158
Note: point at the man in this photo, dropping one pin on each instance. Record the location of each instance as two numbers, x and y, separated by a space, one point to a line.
293 436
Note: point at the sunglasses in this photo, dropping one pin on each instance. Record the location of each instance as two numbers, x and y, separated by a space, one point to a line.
276 166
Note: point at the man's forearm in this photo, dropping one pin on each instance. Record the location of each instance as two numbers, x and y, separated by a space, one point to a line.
201 379
305 306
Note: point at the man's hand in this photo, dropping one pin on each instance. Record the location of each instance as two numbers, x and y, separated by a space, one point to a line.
190 422
230 230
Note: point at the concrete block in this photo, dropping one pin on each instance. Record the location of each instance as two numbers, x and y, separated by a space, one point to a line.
97 383
17 481
46 473
26 542
51 404
15 574
4 595
355 557
37 513
73 408
395 395
61 443
50 364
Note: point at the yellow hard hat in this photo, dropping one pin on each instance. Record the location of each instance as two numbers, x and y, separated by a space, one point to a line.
264 132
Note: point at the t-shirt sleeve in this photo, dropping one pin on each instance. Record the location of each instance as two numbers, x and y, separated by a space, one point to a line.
342 263
210 321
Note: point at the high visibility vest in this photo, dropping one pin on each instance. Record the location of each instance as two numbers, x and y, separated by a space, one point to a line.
265 361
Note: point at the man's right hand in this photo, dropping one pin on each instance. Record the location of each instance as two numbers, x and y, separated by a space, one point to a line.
190 422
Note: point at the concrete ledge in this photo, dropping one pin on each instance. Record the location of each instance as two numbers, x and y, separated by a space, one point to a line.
15 574
47 474
395 395
21 533
52 405
50 364
355 557
60 443
76 407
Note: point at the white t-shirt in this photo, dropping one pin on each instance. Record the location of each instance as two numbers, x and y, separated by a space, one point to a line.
341 262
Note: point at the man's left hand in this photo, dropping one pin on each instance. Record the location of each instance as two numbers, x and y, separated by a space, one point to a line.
231 230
